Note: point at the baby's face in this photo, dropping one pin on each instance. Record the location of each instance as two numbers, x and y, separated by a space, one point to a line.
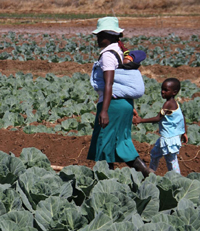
127 59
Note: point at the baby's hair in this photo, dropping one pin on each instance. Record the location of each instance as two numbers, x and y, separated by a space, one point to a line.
176 85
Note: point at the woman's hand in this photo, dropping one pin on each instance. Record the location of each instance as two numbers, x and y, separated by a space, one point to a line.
135 113
103 119
136 120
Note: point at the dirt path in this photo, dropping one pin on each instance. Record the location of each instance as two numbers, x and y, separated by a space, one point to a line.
65 150
183 26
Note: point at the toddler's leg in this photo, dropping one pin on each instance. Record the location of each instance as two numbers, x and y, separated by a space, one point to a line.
154 162
172 162
156 154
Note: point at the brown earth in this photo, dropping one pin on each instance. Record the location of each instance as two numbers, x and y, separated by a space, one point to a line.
64 150
106 7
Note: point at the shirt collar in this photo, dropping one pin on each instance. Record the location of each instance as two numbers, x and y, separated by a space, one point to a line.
112 46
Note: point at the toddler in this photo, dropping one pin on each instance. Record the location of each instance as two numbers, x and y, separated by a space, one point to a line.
171 126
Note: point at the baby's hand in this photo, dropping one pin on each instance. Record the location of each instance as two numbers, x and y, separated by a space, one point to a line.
184 138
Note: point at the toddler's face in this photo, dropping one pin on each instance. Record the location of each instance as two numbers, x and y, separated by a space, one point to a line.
167 90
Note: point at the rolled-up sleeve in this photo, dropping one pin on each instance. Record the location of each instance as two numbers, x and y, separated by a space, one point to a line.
108 62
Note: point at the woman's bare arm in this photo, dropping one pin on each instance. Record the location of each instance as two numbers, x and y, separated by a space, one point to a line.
103 116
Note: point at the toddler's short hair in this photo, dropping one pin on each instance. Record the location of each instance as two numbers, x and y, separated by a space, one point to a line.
176 83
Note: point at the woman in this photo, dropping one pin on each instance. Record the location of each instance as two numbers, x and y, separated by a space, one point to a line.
111 139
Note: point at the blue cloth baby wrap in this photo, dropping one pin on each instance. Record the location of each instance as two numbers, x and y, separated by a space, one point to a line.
127 83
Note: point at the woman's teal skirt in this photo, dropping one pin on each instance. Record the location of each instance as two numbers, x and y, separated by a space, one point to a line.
113 143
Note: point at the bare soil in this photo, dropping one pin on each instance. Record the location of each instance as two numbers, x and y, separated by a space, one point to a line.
63 150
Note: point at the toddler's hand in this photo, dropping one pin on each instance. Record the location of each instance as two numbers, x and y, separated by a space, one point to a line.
184 138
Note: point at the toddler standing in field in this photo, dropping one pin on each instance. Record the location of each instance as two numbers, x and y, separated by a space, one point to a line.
171 127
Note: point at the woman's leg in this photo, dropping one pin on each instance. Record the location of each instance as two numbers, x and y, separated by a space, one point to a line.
172 162
139 166
111 166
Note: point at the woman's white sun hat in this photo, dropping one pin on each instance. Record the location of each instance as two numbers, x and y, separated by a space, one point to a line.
108 24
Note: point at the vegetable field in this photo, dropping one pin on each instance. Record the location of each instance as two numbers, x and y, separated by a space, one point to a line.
47 112
47 101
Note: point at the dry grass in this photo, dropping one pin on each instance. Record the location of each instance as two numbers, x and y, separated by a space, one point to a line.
101 6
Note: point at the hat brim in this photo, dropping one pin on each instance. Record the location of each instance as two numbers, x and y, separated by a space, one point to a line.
110 24
95 32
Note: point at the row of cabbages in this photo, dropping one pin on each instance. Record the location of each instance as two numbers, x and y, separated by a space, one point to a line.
34 197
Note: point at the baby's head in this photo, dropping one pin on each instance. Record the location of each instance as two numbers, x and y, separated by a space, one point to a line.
135 56
174 84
